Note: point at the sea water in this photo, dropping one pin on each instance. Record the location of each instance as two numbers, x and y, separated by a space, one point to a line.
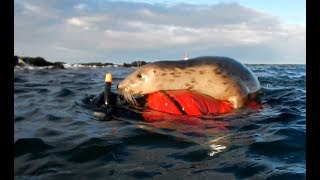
57 135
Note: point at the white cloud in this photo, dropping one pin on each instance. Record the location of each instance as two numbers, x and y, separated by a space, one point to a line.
88 22
32 8
76 22
146 12
25 8
130 30
80 6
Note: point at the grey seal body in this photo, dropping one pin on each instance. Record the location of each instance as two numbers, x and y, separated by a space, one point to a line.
219 77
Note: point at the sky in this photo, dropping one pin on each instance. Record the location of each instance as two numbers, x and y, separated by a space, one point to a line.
74 31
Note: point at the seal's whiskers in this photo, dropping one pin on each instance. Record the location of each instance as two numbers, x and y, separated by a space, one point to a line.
130 99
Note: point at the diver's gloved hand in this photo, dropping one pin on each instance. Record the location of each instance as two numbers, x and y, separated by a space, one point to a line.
114 99
106 98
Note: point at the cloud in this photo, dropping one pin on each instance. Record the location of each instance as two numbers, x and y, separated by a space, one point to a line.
76 22
125 31
80 6
32 8
88 22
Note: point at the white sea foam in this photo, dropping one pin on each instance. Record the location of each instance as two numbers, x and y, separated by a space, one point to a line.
73 66
23 65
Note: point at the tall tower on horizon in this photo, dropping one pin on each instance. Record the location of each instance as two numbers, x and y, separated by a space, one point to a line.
186 56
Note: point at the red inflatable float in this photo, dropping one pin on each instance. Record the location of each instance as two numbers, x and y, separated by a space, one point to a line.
186 103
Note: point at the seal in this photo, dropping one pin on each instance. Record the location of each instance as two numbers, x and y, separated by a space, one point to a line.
222 78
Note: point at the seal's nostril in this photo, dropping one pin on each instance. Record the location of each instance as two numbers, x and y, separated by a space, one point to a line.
117 86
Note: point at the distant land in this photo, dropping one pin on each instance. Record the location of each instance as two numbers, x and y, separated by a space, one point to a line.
26 61
21 61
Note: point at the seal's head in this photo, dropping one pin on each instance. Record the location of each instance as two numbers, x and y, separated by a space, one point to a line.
136 82
140 82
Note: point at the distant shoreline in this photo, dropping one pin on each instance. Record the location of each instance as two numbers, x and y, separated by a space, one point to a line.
33 62
23 61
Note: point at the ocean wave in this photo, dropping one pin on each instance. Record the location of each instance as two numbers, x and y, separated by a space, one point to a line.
57 133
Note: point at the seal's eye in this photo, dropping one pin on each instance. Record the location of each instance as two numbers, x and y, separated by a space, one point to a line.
139 76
